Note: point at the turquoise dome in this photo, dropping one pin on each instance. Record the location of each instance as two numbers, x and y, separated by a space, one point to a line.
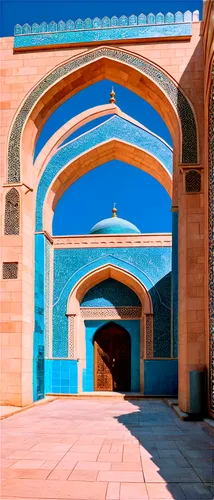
114 225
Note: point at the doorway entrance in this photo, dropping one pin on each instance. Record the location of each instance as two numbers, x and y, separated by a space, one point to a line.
112 359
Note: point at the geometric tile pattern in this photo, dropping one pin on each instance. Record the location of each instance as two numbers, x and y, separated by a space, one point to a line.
188 125
192 181
71 337
12 212
161 299
60 38
211 239
111 312
149 335
10 270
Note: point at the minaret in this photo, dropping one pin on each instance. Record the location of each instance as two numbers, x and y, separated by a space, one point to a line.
114 211
112 98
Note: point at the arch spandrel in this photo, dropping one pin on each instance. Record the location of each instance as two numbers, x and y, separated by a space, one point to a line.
123 67
108 141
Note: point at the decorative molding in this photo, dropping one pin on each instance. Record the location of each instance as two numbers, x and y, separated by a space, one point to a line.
84 36
149 336
125 312
211 242
99 241
177 98
106 22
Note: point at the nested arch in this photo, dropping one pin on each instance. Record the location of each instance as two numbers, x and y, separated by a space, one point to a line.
122 66
110 150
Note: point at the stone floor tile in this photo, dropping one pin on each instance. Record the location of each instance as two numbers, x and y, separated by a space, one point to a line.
127 466
93 466
75 490
83 475
28 464
44 455
206 474
113 491
59 474
210 487
133 491
120 476
81 456
170 475
49 465
164 491
66 465
197 453
85 448
197 491
110 457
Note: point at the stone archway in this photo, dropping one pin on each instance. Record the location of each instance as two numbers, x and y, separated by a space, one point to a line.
124 67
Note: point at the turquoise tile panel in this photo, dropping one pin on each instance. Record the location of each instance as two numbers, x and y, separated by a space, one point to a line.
110 293
161 377
61 376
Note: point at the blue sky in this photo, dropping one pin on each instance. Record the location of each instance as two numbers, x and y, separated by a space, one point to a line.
139 197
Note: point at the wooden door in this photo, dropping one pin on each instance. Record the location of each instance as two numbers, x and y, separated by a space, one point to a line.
112 359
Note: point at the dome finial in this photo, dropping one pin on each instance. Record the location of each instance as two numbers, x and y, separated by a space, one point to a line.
114 210
112 96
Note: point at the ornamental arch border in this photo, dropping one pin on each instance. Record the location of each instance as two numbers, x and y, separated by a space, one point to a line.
144 72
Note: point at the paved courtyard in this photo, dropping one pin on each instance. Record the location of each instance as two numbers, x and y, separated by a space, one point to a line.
105 450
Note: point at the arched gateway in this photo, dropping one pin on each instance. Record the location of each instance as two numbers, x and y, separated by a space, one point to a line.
166 71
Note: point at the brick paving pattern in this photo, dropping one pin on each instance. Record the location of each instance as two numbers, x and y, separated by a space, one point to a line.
105 450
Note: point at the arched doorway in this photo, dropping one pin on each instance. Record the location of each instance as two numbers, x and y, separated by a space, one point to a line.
112 359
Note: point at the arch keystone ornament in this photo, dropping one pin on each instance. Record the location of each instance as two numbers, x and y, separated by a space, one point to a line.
168 87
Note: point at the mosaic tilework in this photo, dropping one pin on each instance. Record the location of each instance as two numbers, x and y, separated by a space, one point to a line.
189 134
12 212
47 298
71 337
10 270
174 290
115 127
211 239
149 336
107 22
70 265
133 327
38 347
161 299
110 293
85 36
126 312
161 377
61 376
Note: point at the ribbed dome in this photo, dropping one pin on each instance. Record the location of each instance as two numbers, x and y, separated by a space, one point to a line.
114 225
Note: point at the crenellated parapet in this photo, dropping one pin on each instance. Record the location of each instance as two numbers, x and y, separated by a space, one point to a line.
99 30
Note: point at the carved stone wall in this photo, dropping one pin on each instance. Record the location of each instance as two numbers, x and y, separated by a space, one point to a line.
211 240
12 212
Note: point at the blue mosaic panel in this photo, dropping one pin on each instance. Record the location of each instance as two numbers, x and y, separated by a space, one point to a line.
169 18
52 26
161 300
120 32
26 29
61 376
47 297
114 21
115 127
38 346
188 16
35 28
133 327
70 25
106 23
142 19
161 377
149 265
151 19
88 23
17 30
179 17
211 243
159 18
132 20
61 26
110 293
175 282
